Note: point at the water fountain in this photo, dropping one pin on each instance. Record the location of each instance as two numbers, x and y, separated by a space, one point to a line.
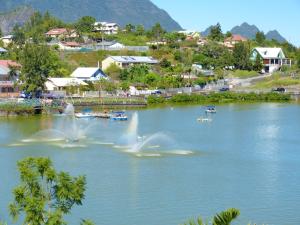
68 130
151 145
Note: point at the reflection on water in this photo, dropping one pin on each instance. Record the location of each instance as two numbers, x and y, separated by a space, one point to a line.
170 167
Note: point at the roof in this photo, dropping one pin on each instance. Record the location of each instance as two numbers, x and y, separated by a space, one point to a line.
7 63
71 44
57 31
4 70
236 37
105 24
267 53
64 82
7 37
134 59
2 50
86 72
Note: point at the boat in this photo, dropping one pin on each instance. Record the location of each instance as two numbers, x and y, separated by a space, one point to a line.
102 115
119 116
211 109
203 119
84 115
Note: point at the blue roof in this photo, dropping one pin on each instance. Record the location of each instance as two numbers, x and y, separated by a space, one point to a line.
4 70
134 59
3 50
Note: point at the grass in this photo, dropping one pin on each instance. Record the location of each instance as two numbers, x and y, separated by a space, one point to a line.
226 97
277 81
242 74
18 109
91 59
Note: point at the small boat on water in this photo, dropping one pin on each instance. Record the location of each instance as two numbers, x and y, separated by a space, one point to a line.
204 120
119 116
102 115
211 109
84 115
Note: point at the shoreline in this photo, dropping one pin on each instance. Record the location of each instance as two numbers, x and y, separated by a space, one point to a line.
15 110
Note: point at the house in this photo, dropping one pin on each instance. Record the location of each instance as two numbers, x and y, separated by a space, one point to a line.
156 43
125 61
273 58
106 28
233 39
190 34
61 33
89 74
69 46
198 70
7 82
202 41
2 51
7 40
62 84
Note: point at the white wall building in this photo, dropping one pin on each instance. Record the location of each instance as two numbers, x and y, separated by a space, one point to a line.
106 28
273 58
60 84
125 61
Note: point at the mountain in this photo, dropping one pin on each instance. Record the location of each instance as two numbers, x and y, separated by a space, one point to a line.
18 16
274 34
206 32
249 31
246 30
119 11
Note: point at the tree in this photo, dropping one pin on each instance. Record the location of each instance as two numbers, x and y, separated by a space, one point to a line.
216 33
129 28
260 37
1 33
44 195
226 217
140 30
165 63
18 35
223 218
241 55
298 58
228 34
157 31
258 65
38 63
85 24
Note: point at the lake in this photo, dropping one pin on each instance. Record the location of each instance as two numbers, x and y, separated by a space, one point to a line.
247 157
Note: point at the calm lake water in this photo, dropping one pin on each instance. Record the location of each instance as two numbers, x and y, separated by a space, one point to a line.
248 157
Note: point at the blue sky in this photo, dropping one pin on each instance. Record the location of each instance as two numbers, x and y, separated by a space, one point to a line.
282 15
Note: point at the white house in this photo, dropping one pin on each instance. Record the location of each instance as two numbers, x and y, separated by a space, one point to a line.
7 40
61 84
273 58
125 61
106 28
89 74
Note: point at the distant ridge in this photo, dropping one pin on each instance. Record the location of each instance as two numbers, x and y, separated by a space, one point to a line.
246 30
249 31
121 11
17 16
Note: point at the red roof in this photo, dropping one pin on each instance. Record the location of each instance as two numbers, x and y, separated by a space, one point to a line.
71 44
57 31
236 37
7 63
